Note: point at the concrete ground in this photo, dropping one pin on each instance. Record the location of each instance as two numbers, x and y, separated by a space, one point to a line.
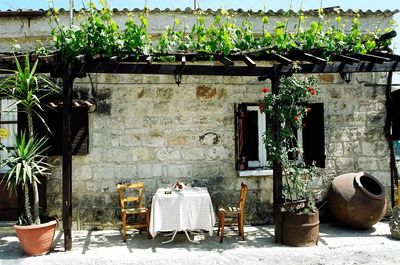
337 245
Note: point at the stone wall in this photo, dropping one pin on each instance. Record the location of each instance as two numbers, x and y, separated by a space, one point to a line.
146 128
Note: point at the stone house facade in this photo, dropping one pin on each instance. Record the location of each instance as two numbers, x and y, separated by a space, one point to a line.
147 128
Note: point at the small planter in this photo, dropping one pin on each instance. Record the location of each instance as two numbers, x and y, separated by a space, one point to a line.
36 240
299 229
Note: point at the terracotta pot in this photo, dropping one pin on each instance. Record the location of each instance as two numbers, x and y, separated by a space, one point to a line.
300 230
36 240
357 200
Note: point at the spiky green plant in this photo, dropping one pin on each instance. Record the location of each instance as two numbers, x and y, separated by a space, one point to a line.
24 164
28 89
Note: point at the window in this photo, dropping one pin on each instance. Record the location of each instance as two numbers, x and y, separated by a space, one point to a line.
395 114
250 125
79 130
8 124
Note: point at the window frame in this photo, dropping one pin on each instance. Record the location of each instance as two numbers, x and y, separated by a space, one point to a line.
311 152
10 123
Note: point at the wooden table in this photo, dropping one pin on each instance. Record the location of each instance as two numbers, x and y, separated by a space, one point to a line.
183 210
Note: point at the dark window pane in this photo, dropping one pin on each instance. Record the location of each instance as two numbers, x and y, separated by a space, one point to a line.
396 115
314 135
252 135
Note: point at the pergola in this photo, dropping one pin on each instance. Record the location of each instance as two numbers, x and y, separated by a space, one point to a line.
262 64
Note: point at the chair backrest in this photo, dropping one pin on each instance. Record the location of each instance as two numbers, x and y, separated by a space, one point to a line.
126 191
243 195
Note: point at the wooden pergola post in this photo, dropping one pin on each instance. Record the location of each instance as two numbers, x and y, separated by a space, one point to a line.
394 176
276 166
68 80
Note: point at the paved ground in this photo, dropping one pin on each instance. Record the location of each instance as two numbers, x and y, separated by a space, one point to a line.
337 245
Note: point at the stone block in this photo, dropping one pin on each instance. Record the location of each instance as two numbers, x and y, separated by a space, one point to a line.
334 91
326 78
173 140
367 164
374 149
351 149
354 119
179 171
129 139
100 139
102 172
164 93
168 154
374 133
153 141
143 154
344 164
335 149
205 92
193 154
149 170
125 171
217 153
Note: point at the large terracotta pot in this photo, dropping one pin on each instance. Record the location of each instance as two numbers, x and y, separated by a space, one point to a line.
300 230
357 200
36 240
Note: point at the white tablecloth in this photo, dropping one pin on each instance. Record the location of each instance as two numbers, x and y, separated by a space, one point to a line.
188 209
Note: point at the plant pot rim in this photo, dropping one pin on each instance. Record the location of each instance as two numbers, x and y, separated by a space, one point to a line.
52 222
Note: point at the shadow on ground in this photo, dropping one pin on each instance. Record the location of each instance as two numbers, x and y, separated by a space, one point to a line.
109 242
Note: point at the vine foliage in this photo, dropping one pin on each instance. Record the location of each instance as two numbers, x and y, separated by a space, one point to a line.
95 32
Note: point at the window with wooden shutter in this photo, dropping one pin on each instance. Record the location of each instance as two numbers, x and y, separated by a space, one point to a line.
314 135
396 115
240 154
250 125
79 130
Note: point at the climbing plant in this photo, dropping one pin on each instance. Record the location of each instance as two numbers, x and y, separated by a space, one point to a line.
97 33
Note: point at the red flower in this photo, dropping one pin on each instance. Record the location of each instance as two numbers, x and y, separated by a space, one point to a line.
296 118
313 92
310 88
265 90
304 125
308 109
261 107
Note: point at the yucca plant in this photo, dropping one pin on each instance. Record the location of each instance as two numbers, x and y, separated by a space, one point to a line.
24 164
27 89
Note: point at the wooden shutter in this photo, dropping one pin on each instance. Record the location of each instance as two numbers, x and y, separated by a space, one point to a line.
240 145
314 136
396 115
79 131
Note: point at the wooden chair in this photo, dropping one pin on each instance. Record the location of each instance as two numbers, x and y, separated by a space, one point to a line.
235 214
132 205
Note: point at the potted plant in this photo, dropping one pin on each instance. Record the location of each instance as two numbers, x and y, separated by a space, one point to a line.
25 162
288 108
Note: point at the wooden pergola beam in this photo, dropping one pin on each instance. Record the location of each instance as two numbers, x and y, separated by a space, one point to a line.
224 60
346 59
282 59
214 70
391 56
372 58
247 60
